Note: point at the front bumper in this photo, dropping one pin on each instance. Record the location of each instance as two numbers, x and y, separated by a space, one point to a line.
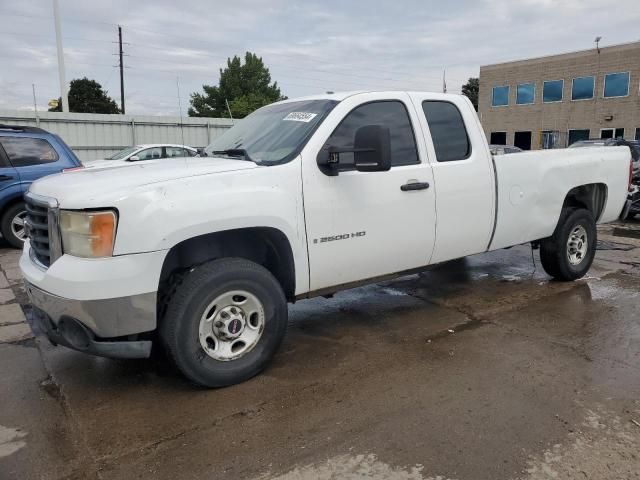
113 297
65 322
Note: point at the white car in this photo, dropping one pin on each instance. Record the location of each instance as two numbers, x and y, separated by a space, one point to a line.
303 198
139 153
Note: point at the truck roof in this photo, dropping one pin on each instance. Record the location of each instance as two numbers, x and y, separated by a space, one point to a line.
339 96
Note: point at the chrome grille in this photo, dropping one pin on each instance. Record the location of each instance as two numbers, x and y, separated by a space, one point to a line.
42 229
38 230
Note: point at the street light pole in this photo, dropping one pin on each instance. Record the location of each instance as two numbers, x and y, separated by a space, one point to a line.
63 82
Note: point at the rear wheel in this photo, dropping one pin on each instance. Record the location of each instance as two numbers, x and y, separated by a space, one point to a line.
224 322
568 254
12 225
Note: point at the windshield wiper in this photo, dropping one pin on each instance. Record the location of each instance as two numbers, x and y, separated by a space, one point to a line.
234 152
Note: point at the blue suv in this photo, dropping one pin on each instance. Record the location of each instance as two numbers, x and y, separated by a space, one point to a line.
26 154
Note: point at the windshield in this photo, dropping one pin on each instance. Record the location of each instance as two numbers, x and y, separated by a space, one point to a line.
123 153
272 134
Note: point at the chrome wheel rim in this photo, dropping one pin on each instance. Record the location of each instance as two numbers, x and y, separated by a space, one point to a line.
17 225
577 245
231 325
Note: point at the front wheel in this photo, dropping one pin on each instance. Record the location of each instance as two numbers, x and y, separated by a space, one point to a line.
12 225
568 254
224 322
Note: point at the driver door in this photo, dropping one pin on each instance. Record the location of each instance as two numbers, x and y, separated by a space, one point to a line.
362 225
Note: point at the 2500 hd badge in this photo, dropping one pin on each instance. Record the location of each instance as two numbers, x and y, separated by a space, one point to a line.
344 236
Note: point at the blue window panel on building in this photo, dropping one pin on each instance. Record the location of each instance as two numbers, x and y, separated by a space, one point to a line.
616 84
582 88
525 93
500 96
552 91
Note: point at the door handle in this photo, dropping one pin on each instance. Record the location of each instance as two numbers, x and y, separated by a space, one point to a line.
407 187
5 177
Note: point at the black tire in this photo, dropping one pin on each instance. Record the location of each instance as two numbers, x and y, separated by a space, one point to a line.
5 224
179 329
554 251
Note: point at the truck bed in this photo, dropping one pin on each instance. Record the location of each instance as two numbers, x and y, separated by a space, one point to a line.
531 188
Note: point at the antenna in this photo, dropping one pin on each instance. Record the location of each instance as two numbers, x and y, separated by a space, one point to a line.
180 109
35 104
229 110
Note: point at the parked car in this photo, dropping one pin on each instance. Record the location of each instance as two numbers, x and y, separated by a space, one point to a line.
503 149
634 200
26 154
303 198
634 146
139 153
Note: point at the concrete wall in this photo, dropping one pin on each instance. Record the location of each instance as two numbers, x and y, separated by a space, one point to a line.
93 136
585 114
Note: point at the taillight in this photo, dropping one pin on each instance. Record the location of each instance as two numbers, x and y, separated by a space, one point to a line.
72 169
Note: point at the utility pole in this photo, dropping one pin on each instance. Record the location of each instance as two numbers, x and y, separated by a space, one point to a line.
121 69
444 81
63 82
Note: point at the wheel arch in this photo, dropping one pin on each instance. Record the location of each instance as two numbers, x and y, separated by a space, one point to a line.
10 201
591 196
266 246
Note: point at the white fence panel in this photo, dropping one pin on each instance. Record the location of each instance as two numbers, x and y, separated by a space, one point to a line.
92 136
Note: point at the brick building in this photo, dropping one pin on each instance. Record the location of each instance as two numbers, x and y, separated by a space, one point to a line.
553 101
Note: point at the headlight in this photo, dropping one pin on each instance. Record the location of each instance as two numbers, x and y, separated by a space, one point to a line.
88 234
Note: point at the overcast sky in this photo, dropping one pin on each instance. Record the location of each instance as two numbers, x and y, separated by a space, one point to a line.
309 46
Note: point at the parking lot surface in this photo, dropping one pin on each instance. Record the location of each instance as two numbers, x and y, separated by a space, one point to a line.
480 368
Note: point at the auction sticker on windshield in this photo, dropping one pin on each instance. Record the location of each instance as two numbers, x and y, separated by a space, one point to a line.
300 117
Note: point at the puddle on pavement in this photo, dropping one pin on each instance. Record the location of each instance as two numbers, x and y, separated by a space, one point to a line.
11 440
356 467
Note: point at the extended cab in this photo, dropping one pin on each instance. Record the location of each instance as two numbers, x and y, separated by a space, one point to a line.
301 198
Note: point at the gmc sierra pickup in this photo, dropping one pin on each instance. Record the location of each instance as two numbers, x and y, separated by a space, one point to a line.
302 198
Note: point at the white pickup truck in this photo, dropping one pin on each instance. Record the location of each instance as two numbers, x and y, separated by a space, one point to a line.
302 198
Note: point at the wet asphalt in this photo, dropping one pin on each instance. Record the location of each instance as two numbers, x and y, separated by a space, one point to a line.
481 368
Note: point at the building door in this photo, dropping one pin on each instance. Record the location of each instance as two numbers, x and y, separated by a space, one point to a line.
549 139
498 138
522 140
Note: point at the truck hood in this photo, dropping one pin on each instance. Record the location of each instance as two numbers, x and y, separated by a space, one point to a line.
83 187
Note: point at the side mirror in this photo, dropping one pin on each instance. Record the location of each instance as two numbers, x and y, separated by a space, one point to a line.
371 151
134 158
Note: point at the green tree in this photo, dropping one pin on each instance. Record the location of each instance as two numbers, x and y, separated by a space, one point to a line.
470 89
87 96
246 87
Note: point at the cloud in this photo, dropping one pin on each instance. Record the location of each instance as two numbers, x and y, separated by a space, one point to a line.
309 46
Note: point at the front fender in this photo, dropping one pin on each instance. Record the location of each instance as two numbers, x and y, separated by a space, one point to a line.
160 216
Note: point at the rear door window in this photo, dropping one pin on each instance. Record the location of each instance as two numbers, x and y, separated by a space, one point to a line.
25 151
176 152
448 132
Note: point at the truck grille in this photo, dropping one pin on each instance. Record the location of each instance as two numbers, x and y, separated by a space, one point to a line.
38 230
